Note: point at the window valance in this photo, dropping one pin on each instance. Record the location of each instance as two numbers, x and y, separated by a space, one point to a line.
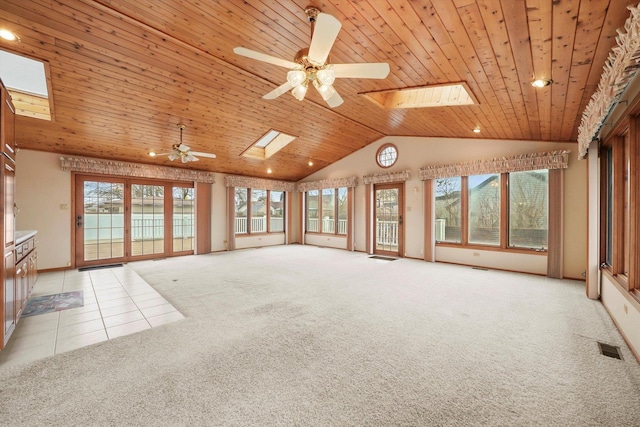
112 167
523 162
349 182
621 66
260 183
381 178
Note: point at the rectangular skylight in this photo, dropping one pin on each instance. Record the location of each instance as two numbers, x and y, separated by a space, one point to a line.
268 145
23 74
443 95
27 83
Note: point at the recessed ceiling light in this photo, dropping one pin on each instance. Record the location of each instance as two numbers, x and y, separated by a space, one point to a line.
476 130
8 35
269 170
152 153
541 82
310 163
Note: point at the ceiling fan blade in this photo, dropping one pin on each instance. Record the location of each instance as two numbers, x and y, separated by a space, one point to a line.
372 70
198 153
283 88
335 100
265 58
325 31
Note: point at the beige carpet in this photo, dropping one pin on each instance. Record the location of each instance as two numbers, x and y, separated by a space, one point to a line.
297 335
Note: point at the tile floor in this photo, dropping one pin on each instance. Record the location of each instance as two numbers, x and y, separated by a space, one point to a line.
117 302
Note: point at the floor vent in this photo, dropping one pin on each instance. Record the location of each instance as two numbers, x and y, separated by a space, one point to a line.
480 268
98 267
610 350
384 258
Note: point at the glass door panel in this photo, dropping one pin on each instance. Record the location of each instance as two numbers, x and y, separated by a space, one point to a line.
101 221
388 220
147 219
183 219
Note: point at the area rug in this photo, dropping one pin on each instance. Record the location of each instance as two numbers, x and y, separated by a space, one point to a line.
51 303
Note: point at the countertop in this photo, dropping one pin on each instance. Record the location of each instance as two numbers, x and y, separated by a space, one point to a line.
23 235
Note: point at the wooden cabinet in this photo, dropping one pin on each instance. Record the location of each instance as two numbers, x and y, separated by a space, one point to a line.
26 268
8 295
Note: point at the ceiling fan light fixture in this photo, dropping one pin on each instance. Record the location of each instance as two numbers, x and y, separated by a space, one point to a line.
173 156
326 76
325 90
296 77
299 92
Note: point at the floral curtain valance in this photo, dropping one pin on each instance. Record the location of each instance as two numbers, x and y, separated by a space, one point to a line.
524 162
261 183
381 178
621 66
112 167
349 182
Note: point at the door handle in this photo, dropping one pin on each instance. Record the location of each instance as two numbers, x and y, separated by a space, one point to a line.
79 220
400 219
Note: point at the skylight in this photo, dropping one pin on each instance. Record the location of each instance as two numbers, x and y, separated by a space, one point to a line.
26 81
268 145
444 95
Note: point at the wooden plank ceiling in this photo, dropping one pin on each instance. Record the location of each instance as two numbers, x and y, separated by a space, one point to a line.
125 73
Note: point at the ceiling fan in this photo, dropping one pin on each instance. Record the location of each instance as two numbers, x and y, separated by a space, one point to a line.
311 65
183 152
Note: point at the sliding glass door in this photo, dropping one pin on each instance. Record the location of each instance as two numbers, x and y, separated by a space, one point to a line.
119 220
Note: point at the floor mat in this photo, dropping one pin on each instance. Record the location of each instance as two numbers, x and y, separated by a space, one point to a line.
51 303
384 258
98 267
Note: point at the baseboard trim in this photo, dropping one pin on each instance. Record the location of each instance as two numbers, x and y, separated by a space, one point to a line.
624 337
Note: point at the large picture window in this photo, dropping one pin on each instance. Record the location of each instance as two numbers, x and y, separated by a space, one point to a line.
259 211
618 192
508 210
332 206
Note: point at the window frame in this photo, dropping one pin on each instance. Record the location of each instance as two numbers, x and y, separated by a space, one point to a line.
336 211
267 199
619 152
504 216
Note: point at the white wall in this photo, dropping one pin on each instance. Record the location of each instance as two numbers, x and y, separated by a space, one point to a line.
244 242
218 215
43 197
624 309
414 152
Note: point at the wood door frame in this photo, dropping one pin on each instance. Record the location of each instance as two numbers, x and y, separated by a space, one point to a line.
78 210
77 201
401 186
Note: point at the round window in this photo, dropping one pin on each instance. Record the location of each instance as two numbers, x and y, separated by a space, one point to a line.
387 155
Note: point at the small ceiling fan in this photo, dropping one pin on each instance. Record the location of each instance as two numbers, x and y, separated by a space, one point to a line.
183 152
311 65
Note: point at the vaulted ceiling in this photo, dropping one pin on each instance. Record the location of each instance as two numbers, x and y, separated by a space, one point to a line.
125 73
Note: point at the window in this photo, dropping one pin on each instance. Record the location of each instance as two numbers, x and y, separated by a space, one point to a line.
258 211
387 155
528 209
183 219
276 210
448 209
484 209
469 210
328 210
343 206
263 212
607 159
332 203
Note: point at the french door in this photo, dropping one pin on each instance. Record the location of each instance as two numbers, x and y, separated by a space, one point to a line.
121 219
388 228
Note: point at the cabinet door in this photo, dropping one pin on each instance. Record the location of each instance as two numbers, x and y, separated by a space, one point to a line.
9 213
8 125
9 303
